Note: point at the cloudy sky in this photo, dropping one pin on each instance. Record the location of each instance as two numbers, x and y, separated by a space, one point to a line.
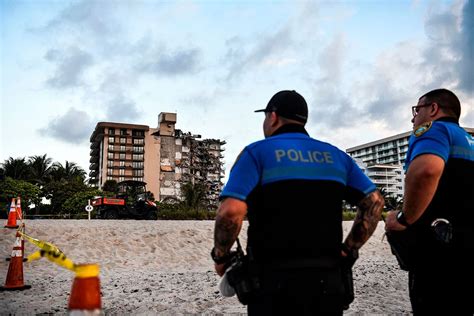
361 65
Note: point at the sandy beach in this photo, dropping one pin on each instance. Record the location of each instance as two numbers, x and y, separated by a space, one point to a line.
163 267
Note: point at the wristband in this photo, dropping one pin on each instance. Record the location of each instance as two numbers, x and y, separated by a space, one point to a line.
219 260
401 219
352 253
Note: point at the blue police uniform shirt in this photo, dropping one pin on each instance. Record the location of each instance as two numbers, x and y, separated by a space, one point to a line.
291 181
444 138
454 196
292 156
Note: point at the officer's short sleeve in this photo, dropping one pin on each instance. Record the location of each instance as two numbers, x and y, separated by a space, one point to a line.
435 141
244 177
358 184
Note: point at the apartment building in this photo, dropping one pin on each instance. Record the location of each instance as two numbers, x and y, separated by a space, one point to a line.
391 150
383 160
164 157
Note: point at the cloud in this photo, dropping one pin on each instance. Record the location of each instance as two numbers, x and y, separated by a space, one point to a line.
466 46
70 66
277 48
88 16
448 57
383 91
468 119
179 62
73 127
265 49
332 107
122 109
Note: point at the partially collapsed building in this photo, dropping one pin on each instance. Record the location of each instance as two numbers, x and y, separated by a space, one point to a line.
165 158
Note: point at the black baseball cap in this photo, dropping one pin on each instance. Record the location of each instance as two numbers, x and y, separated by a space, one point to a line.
289 104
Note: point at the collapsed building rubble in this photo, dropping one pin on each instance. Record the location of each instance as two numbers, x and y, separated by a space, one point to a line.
164 157
187 159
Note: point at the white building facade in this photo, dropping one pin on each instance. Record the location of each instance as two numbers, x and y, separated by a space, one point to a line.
383 161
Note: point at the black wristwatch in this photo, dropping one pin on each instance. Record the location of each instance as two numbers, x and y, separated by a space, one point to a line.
219 260
401 219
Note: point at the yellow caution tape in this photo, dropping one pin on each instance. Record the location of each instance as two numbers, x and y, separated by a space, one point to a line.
50 251
35 256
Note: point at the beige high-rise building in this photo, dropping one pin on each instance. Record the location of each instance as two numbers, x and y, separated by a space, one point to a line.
164 157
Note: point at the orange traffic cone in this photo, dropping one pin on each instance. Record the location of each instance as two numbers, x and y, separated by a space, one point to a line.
14 279
19 213
22 243
11 223
85 293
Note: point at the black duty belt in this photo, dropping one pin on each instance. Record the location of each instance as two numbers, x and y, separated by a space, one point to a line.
318 263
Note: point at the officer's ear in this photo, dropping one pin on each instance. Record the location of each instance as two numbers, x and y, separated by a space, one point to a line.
435 109
274 119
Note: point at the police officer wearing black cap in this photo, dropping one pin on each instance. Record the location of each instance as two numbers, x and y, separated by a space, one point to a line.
438 209
291 187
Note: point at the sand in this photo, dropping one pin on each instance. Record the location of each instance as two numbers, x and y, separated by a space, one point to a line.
163 267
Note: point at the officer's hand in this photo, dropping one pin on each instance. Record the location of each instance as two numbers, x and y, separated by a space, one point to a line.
220 268
391 223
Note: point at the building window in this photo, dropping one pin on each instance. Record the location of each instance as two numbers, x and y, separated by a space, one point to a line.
137 149
138 178
138 133
123 140
122 163
123 131
110 171
110 178
122 156
110 163
138 157
111 131
122 147
138 141
122 172
111 147
138 173
110 155
137 164
121 179
111 140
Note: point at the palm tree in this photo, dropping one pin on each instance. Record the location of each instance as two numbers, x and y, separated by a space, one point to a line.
193 195
40 167
392 202
70 171
110 186
16 168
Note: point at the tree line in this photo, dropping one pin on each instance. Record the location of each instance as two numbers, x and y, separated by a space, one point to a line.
37 178
65 186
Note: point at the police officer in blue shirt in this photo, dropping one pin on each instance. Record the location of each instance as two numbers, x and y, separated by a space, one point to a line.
438 208
291 187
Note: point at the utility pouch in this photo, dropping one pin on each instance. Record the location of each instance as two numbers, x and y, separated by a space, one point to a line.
348 285
347 278
243 276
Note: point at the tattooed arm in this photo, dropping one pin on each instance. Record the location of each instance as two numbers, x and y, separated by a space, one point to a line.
229 220
366 220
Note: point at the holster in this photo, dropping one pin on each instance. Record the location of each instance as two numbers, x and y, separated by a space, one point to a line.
244 278
348 284
402 247
407 244
347 279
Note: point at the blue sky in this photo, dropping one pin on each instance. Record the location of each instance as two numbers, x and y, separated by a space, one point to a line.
361 65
